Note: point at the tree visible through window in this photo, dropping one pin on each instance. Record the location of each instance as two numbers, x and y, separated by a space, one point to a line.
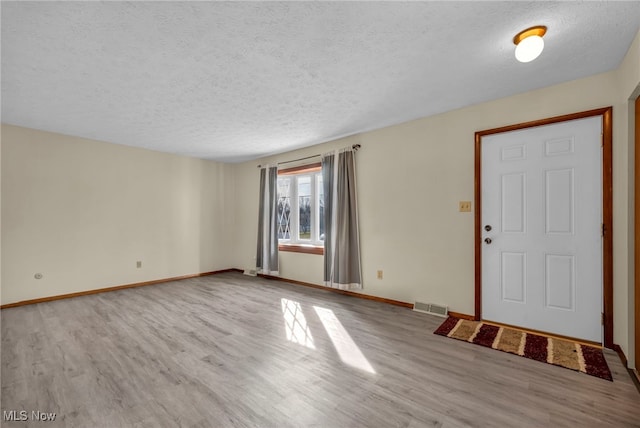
301 208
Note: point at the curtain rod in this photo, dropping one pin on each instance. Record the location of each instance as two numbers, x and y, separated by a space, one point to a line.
355 147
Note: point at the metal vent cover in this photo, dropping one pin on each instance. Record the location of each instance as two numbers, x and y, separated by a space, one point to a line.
431 308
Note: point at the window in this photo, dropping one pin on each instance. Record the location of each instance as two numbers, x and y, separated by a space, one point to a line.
301 209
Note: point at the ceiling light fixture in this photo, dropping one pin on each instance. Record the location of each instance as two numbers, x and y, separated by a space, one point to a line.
529 43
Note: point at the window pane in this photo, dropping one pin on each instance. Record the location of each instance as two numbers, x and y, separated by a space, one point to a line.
284 208
304 205
320 207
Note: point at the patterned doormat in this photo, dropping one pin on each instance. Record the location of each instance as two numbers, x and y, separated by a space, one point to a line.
564 353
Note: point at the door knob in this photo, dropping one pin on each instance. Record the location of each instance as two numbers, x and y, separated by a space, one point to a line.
488 240
488 228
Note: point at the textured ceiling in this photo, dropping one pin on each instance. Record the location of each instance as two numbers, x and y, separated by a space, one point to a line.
236 80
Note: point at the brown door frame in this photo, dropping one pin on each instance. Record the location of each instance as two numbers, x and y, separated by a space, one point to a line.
637 235
607 208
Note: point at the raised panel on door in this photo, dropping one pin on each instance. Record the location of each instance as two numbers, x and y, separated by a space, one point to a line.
513 197
513 277
558 201
559 282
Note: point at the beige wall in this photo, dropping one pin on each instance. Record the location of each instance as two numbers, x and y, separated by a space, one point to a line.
628 78
0 217
411 177
83 212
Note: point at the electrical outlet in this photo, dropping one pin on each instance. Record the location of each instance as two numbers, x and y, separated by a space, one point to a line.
379 274
465 206
138 264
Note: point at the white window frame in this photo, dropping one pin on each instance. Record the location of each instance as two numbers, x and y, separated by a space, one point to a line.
294 221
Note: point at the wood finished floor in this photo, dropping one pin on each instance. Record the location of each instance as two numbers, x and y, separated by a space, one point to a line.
213 352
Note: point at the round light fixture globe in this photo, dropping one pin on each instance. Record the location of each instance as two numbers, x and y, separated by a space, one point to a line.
529 43
529 48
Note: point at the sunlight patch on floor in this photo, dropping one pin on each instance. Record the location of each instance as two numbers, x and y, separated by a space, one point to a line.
295 324
349 352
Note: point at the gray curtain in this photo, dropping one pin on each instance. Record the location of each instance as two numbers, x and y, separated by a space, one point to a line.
342 268
267 251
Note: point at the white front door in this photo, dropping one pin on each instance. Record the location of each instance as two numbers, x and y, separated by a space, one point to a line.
541 228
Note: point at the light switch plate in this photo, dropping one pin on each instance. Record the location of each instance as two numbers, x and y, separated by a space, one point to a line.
465 206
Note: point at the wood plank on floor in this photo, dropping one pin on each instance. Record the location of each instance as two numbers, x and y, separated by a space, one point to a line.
214 351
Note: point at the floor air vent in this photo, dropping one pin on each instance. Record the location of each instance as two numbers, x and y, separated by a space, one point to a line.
431 308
